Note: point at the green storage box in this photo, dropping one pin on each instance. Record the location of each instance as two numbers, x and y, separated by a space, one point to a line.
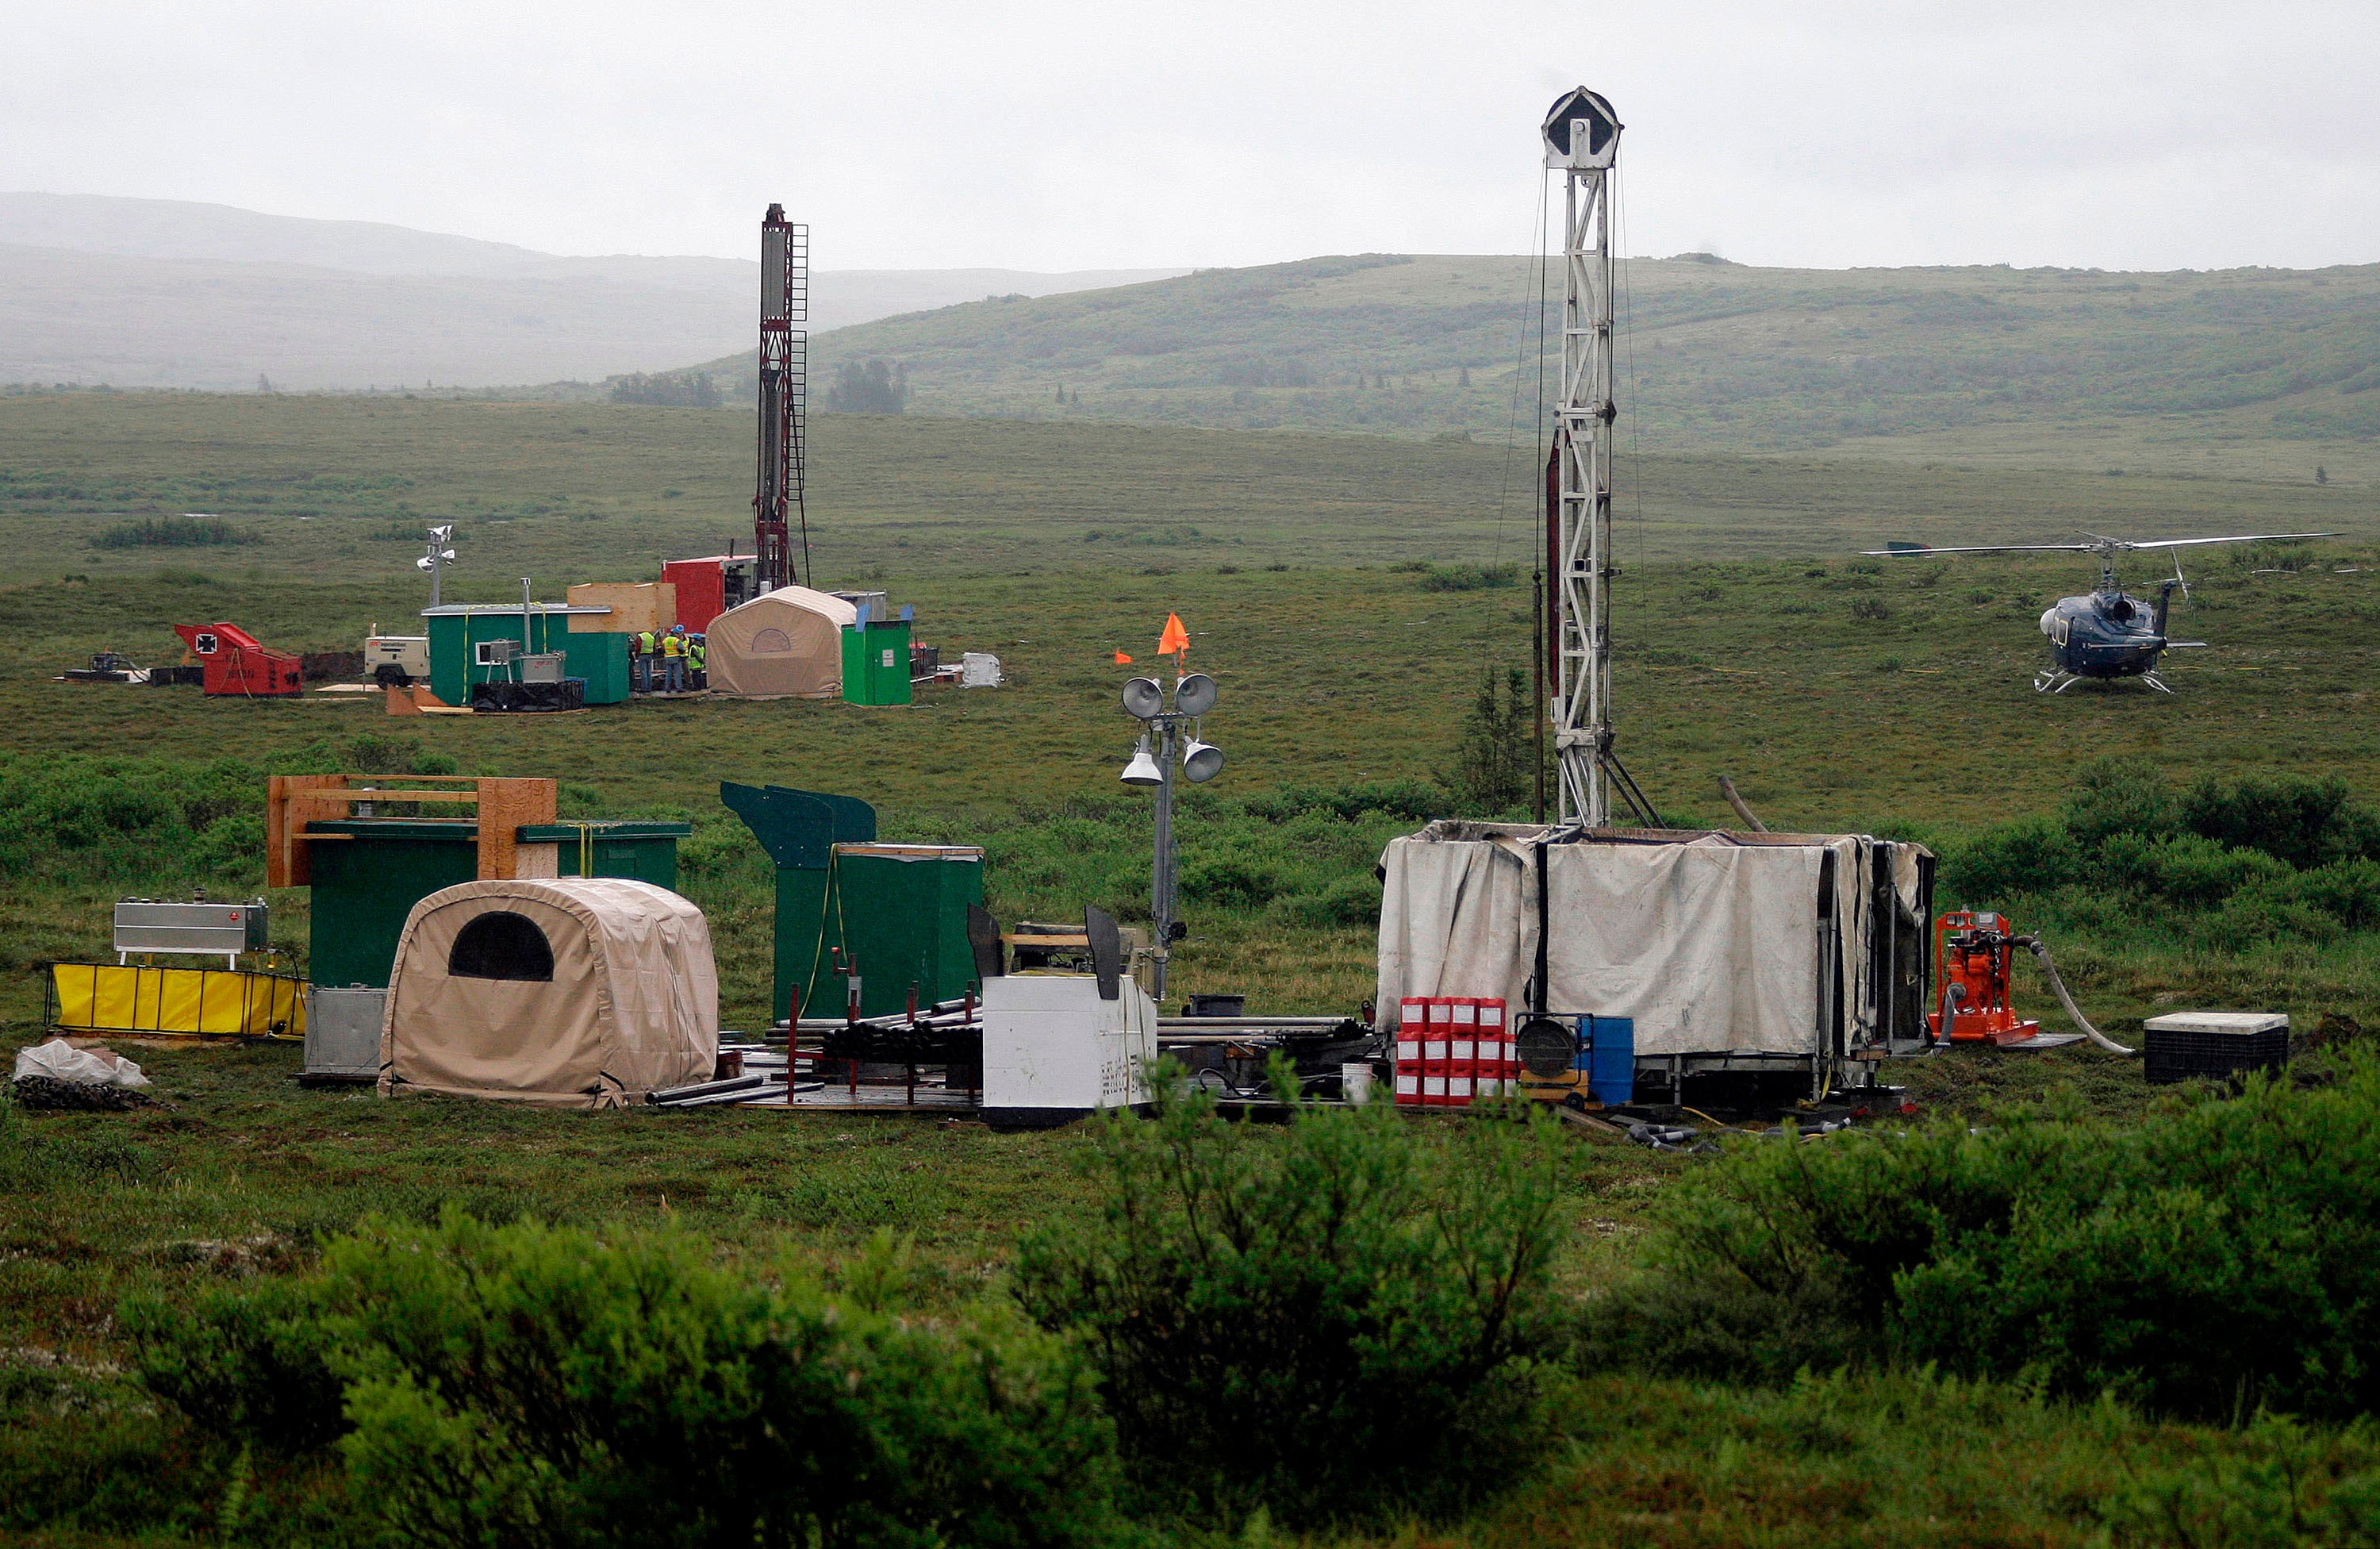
899 910
366 884
876 663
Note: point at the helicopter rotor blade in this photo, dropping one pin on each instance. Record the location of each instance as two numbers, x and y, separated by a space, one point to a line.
1921 551
2242 538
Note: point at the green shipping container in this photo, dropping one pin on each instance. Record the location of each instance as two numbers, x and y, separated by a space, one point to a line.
365 884
457 630
876 663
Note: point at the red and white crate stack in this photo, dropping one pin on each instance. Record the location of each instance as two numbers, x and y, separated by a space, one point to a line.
1452 1051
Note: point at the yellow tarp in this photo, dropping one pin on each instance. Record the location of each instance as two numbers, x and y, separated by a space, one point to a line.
219 1003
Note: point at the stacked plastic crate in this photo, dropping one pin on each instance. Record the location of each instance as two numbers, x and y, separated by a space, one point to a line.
1452 1051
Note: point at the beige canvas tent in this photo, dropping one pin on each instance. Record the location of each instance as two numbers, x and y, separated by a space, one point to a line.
783 642
571 992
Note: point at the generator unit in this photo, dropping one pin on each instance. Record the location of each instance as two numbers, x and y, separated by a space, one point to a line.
396 660
235 662
197 927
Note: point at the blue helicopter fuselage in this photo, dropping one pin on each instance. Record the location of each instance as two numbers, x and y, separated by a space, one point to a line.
2107 634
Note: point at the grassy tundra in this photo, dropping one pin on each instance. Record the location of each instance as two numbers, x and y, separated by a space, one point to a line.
1349 594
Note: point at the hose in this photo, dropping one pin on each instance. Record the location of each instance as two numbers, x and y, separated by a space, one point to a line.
2050 971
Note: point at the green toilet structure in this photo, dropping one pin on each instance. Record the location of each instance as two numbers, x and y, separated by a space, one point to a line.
368 879
896 913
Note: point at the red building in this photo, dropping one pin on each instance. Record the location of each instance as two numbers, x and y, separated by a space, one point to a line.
706 587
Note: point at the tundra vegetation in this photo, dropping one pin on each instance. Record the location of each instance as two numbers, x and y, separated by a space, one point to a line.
2051 1308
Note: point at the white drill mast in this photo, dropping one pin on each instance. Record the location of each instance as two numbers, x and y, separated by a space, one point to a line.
1582 138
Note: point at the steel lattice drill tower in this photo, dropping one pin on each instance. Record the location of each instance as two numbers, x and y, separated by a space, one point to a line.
1582 140
777 502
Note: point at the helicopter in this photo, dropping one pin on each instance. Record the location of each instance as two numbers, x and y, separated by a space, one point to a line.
2108 633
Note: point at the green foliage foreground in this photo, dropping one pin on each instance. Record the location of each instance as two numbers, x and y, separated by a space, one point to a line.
2220 1257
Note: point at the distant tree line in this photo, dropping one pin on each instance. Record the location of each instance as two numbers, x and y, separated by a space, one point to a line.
667 389
869 388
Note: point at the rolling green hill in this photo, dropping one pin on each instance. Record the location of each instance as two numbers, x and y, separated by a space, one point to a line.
1714 355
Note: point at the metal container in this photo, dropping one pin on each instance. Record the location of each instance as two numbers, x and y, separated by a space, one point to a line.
342 1033
546 666
149 926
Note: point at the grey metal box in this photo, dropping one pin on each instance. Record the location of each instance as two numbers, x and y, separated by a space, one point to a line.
146 925
343 1033
544 667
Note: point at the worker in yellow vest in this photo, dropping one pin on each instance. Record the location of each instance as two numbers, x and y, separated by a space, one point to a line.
645 643
697 661
673 658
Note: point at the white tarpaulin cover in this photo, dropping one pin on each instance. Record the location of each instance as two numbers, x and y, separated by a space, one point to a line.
61 1060
576 991
1713 943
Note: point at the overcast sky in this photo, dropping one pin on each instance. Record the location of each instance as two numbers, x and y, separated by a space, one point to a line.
1062 136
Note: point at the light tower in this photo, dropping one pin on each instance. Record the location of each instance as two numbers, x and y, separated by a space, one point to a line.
784 391
1582 140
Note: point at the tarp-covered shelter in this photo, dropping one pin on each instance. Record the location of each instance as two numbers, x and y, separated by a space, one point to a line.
1718 946
786 642
569 991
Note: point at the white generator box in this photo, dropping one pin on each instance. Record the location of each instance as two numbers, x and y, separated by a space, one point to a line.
1053 1050
979 670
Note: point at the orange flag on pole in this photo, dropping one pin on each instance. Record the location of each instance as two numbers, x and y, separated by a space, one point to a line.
1175 638
1122 660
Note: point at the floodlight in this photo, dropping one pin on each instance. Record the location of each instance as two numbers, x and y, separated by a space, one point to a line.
1564 147
1143 769
1142 697
448 554
1194 695
1201 760
440 534
425 563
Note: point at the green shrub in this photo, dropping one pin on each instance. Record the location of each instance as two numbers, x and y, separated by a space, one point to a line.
1323 1320
526 1385
2213 1259
2032 856
2118 796
2304 823
174 532
252 1361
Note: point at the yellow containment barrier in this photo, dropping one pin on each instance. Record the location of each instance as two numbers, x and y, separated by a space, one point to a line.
199 1002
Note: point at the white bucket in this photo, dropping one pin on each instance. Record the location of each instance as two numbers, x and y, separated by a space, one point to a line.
1355 1081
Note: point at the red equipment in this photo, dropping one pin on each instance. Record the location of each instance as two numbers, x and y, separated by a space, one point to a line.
1972 956
709 587
235 662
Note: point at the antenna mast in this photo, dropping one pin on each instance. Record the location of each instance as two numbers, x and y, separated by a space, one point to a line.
1582 138
784 395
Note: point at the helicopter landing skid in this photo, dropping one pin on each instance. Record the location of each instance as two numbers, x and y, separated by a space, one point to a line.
2053 680
2153 681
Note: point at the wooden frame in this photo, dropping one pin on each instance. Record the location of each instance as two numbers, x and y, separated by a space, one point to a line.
504 807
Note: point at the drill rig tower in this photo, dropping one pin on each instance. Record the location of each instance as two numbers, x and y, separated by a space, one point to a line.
1582 140
784 392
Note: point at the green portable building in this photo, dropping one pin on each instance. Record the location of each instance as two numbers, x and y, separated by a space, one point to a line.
458 630
876 662
365 884
896 912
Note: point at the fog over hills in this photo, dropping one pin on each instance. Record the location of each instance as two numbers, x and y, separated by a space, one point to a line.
163 293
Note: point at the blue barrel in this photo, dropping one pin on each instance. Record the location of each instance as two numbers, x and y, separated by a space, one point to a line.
1610 1059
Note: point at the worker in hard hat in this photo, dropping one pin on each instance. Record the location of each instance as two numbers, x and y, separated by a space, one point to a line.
646 643
673 658
697 661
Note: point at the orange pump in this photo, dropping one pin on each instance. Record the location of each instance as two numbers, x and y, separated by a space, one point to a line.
1973 953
